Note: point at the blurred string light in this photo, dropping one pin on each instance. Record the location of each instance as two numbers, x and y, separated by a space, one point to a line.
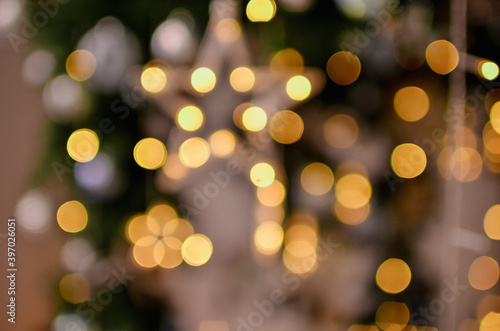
153 79
353 191
64 99
189 118
495 117
254 119
298 88
285 62
490 322
80 65
242 79
268 237
228 30
238 114
96 176
38 67
359 327
350 216
343 68
483 273
150 153
78 255
491 222
203 80
197 250
262 174
486 305
9 12
65 322
173 167
301 240
173 39
411 103
354 9
391 314
72 216
194 152
463 164
34 210
83 145
286 127
442 56
487 69
341 131
317 178
74 288
393 276
408 160
222 143
261 10
272 195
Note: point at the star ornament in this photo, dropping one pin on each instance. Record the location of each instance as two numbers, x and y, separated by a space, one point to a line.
221 90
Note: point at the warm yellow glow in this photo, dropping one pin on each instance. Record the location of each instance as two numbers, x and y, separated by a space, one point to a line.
442 56
137 228
286 61
301 232
350 167
148 252
178 228
491 139
72 216
317 178
343 68
173 167
228 30
271 195
359 327
153 79
408 160
150 153
286 127
487 304
483 273
411 103
203 80
488 70
242 79
466 325
268 237
495 117
300 257
80 65
341 131
466 164
238 114
194 152
491 322
393 276
172 257
265 213
390 313
83 145
190 118
160 214
197 250
222 143
492 222
254 119
262 174
74 288
351 216
298 88
261 10
353 191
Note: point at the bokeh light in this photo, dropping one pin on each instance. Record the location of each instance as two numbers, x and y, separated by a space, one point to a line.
298 88
203 80
268 237
341 131
150 153
408 160
173 167
72 216
343 68
153 79
483 273
222 143
254 119
81 65
194 152
262 174
393 276
390 313
349 215
190 118
286 61
228 30
495 117
83 145
488 69
74 288
411 103
271 195
300 256
317 178
491 222
286 127
491 322
353 191
197 250
442 56
242 79
261 10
